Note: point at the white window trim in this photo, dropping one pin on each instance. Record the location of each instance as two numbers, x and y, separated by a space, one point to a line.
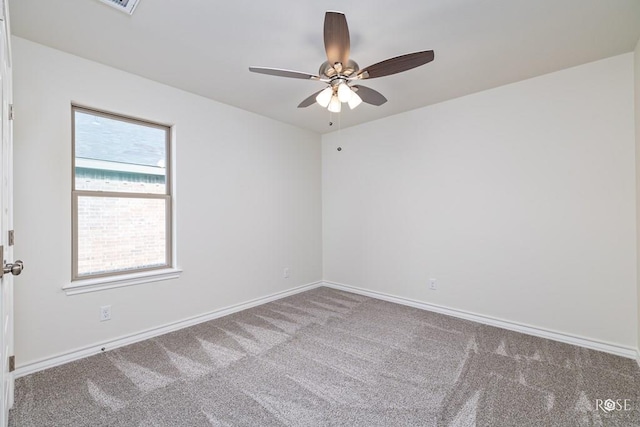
84 286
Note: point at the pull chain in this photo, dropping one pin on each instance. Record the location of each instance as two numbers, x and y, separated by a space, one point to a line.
339 126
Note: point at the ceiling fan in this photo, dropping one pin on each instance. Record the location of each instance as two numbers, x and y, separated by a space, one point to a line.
340 72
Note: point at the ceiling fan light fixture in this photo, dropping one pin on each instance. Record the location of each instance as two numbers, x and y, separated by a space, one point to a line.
355 100
344 92
324 97
335 105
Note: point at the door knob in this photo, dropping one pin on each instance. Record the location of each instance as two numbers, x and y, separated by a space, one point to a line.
15 268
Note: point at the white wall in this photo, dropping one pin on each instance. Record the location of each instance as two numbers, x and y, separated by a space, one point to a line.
257 211
519 200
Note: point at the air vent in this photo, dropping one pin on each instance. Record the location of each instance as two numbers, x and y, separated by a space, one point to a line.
127 6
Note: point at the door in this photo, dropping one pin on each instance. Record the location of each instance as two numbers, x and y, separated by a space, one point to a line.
6 222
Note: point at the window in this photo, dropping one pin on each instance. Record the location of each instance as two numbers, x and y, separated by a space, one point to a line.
121 195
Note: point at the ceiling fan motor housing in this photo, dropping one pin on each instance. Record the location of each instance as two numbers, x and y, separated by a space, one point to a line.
329 70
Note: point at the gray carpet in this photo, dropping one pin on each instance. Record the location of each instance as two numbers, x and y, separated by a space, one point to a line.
331 358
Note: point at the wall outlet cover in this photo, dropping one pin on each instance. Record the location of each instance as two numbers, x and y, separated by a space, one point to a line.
105 313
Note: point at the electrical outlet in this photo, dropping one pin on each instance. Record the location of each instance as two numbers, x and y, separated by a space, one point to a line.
433 284
286 273
105 313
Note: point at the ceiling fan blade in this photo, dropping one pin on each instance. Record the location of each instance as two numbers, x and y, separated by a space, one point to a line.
369 95
396 65
336 38
283 73
310 100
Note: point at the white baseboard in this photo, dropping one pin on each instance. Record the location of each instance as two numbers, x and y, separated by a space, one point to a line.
61 359
70 356
628 352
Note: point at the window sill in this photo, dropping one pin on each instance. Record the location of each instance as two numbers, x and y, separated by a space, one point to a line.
102 283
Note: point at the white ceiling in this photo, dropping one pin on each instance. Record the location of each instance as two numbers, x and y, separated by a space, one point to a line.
206 46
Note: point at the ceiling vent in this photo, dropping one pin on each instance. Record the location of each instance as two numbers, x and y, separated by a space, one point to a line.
127 6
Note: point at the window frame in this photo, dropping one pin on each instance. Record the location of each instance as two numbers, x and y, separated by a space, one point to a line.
133 275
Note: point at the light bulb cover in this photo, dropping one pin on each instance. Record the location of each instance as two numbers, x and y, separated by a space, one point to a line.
344 92
354 101
335 105
324 97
